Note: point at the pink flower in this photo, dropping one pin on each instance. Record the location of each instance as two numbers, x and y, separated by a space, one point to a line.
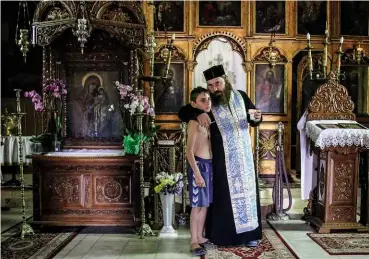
26 94
56 95
36 98
31 93
64 92
39 107
150 112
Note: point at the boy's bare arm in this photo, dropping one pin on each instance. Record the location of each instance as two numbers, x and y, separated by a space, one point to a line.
192 130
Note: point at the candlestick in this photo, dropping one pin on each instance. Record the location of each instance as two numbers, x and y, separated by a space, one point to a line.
325 57
310 59
33 35
25 229
17 95
339 53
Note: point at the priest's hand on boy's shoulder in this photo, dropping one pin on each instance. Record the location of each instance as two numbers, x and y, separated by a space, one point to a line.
204 120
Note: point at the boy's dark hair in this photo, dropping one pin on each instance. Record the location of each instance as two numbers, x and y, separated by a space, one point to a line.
196 91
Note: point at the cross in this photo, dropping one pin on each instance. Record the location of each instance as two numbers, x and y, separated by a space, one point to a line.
218 59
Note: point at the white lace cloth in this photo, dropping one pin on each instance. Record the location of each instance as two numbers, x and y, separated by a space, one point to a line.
9 150
87 153
336 137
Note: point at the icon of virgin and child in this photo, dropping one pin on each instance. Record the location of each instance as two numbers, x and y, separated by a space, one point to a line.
90 112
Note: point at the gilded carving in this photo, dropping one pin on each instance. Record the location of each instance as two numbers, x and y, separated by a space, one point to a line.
270 54
343 181
102 8
47 34
64 189
331 101
57 13
128 25
267 144
51 10
238 44
247 66
177 54
191 65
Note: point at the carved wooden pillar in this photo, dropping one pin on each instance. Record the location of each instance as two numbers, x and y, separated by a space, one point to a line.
364 185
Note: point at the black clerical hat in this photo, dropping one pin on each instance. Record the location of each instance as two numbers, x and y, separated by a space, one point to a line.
214 72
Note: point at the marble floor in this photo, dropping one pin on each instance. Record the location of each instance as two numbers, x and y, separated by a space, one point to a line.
129 246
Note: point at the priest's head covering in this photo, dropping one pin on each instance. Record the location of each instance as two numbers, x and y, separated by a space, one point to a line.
214 72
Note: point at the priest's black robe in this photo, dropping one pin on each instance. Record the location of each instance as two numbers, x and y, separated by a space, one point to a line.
220 227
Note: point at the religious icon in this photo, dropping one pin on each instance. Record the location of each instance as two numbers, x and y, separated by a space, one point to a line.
169 96
219 13
269 88
270 17
354 18
169 16
312 16
88 105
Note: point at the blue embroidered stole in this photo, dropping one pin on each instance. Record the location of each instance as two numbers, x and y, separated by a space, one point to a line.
232 123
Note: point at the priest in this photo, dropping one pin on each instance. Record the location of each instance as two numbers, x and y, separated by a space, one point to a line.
234 217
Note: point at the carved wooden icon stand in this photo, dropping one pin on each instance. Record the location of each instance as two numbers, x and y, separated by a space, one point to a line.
333 202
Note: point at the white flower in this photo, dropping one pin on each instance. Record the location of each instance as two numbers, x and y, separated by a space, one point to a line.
111 108
117 83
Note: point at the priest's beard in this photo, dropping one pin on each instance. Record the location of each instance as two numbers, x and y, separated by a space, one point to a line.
222 97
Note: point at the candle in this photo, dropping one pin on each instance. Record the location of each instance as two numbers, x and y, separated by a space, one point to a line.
33 35
308 36
341 40
173 36
326 28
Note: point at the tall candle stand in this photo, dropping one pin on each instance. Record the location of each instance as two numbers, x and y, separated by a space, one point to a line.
151 44
183 216
25 229
145 229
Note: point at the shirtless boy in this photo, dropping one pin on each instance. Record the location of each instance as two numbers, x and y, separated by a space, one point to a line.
200 171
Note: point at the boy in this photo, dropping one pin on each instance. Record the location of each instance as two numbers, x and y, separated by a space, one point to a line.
200 171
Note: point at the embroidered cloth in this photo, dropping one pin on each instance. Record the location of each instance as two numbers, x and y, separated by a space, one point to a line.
232 123
334 137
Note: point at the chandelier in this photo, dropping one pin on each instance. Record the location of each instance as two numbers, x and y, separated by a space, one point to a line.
83 30
23 40
272 55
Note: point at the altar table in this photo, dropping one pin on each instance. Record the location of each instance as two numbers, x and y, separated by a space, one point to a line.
86 187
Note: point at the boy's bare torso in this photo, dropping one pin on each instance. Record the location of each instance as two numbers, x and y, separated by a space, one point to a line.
202 145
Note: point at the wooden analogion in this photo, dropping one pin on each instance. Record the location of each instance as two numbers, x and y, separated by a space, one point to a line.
336 139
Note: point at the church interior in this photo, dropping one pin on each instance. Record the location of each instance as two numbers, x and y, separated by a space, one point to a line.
90 94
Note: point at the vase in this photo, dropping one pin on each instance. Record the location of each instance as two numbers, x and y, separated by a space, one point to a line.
167 205
36 148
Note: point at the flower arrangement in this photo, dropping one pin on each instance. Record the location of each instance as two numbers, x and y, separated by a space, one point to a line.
168 183
129 103
130 99
53 90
